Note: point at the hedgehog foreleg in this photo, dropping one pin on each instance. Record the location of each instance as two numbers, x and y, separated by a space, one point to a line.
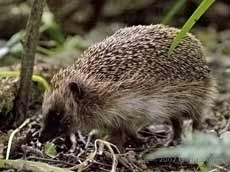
73 141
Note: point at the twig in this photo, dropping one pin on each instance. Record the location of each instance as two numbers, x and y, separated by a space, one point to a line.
85 164
221 168
27 62
109 146
12 136
90 135
81 137
80 153
123 160
225 128
48 160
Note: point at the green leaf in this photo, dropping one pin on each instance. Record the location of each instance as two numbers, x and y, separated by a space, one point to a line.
205 4
50 149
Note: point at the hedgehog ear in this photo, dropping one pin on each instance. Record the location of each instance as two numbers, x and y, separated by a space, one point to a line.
76 90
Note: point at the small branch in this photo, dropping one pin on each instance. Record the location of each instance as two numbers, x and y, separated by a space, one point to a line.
12 136
109 146
91 158
30 166
46 160
90 135
31 40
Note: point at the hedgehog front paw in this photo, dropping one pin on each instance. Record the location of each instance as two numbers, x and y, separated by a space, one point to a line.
73 141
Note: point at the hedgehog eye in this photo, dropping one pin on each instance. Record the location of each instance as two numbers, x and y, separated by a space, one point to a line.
76 90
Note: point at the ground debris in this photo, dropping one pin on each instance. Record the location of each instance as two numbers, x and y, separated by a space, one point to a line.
29 166
26 147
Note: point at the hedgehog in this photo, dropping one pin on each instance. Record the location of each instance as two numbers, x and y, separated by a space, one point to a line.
128 81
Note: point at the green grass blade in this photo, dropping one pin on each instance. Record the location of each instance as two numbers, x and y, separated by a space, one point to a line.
205 4
42 81
35 78
172 12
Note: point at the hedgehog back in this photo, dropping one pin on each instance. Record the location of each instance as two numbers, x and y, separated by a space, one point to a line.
143 51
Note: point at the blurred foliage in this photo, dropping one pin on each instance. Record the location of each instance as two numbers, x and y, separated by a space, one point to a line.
199 148
52 28
114 7
39 79
13 17
168 17
8 90
209 37
14 47
7 94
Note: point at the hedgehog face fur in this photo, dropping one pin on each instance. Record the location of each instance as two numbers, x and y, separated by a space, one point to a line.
62 107
57 117
53 124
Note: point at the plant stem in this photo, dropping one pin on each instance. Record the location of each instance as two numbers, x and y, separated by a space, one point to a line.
27 62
